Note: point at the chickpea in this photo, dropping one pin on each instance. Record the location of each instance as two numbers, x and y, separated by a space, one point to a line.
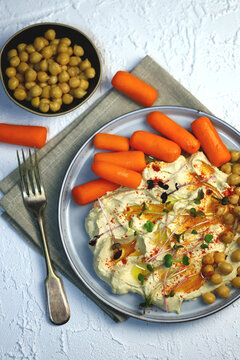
44 100
37 67
54 68
35 101
233 199
22 67
233 179
223 291
35 91
74 61
65 41
43 65
238 228
238 270
56 92
30 49
227 237
29 84
28 97
63 59
13 83
64 87
237 190
30 75
47 52
38 43
208 270
238 241
219 257
55 106
228 219
14 61
43 107
84 84
226 168
10 72
208 259
85 64
35 57
50 34
70 51
52 80
82 76
236 282
208 298
73 71
63 77
225 267
64 67
74 82
216 278
46 92
43 84
42 76
12 53
236 210
62 48
67 99
20 94
20 77
79 93
54 48
46 42
235 155
23 56
21 47
21 86
55 42
221 210
78 50
236 169
236 255
90 73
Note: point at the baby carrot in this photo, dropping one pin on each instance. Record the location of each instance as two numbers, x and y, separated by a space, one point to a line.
134 160
111 142
117 174
155 145
135 88
24 135
90 191
210 141
173 131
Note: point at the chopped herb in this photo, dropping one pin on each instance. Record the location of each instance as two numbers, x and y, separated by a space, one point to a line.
185 260
208 238
141 278
149 226
117 255
150 184
147 303
149 267
177 236
164 197
116 246
204 246
171 294
176 247
130 223
165 210
194 231
143 209
135 233
169 202
224 200
197 201
199 197
168 260
193 212
200 213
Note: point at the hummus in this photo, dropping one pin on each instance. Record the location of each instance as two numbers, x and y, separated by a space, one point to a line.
151 240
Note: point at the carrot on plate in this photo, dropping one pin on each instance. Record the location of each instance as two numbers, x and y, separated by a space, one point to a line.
134 160
155 145
90 191
135 88
210 141
24 135
111 142
117 174
173 131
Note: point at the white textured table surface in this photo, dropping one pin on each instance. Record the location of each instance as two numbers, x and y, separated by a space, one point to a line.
198 42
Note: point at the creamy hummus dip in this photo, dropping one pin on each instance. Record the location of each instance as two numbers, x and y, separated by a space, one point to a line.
152 240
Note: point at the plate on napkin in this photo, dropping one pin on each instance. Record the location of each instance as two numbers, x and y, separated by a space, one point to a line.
72 217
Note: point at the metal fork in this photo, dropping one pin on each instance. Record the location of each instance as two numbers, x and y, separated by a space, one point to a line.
35 200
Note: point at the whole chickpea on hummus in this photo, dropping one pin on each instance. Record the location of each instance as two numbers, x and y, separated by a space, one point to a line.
174 238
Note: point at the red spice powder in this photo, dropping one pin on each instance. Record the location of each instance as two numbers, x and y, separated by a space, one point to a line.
156 167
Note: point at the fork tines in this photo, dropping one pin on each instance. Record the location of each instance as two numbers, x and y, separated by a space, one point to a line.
30 175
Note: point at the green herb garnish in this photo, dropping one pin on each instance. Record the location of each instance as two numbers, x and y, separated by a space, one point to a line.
130 223
199 197
168 260
135 233
224 200
149 267
176 247
149 226
208 238
204 246
185 260
194 231
141 278
143 209
177 237
165 210
171 294
193 212
147 303
169 202
200 213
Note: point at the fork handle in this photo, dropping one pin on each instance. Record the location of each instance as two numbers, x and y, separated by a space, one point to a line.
58 307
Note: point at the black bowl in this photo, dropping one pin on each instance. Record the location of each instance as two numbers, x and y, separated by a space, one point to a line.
27 35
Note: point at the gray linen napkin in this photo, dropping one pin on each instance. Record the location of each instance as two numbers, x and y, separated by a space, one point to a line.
55 158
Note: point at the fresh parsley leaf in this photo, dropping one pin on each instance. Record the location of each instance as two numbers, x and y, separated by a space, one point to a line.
200 213
147 303
208 238
135 233
149 226
141 278
204 246
185 260
224 200
166 210
194 231
197 201
193 212
130 223
149 267
176 247
169 202
168 260
171 294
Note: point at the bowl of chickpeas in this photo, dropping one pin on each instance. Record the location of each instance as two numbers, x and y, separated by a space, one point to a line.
49 69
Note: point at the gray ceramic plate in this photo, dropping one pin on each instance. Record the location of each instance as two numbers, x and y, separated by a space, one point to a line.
71 217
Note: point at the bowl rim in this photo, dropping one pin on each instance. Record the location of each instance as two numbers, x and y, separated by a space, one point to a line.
31 110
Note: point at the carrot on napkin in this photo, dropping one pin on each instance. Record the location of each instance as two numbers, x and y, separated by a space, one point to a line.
24 135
